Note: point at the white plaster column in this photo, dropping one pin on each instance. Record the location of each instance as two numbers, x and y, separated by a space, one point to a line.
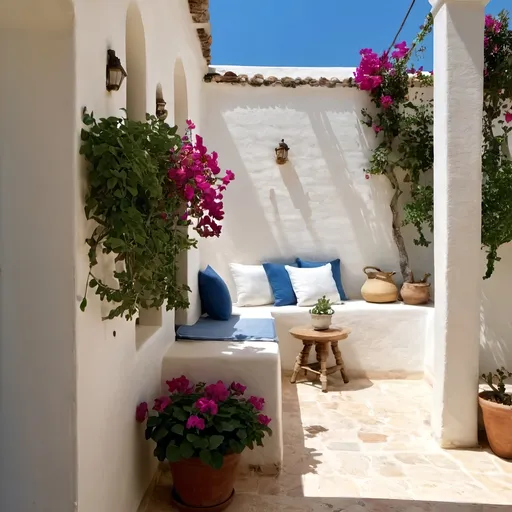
458 97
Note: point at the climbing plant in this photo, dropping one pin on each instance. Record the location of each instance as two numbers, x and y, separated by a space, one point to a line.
404 127
406 141
146 184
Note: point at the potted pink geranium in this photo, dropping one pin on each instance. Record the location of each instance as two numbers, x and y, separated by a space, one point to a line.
202 430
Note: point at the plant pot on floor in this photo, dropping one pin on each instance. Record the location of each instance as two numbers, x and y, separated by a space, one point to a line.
197 486
498 424
321 322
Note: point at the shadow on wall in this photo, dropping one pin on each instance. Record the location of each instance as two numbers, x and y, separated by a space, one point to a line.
495 317
318 205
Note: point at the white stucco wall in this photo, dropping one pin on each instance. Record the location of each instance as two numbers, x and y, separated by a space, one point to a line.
70 381
319 205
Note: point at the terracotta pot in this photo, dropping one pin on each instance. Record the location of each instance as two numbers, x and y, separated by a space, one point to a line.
498 425
379 286
321 322
415 293
198 485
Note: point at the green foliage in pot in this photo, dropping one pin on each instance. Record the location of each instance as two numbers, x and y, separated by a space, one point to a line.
145 184
205 421
322 307
496 381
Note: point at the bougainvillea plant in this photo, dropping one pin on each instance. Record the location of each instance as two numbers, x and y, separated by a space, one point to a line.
205 421
404 128
146 185
405 136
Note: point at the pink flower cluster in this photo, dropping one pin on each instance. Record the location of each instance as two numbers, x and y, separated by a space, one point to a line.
195 174
369 75
207 405
492 24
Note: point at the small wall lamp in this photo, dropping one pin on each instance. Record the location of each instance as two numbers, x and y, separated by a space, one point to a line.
115 71
282 152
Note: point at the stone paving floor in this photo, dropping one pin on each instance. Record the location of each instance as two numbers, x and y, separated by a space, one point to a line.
366 446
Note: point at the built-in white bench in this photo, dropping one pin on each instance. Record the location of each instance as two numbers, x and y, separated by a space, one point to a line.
387 341
256 364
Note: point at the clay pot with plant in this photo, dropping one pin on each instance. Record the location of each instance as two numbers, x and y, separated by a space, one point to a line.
416 292
202 430
321 314
496 405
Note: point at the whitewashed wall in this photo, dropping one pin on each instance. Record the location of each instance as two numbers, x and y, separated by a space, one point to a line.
70 381
319 205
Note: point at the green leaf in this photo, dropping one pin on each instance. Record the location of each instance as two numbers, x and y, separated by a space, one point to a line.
83 304
153 421
178 429
116 243
215 441
186 450
179 414
206 457
217 459
242 433
173 453
236 446
159 433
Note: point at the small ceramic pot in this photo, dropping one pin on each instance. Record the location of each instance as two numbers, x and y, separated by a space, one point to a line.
321 322
498 425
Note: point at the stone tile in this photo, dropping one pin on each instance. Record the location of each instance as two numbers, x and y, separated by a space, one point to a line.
367 447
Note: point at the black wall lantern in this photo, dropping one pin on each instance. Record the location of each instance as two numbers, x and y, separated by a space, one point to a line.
115 71
282 152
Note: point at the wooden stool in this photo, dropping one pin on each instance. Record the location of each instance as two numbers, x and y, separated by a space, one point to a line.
321 340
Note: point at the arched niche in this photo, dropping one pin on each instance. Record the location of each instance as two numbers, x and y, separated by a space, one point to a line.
180 96
135 64
38 309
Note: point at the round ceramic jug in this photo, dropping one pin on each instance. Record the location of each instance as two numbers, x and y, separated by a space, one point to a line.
379 286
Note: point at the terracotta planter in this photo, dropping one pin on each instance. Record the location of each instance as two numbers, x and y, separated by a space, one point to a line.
379 286
321 322
415 293
498 425
199 486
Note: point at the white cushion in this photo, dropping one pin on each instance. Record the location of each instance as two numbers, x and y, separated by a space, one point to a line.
311 284
252 286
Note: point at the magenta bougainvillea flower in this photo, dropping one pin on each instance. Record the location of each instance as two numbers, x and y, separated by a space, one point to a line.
195 174
161 403
508 117
206 406
257 402
141 413
178 385
264 420
237 388
217 392
386 101
401 51
377 128
195 422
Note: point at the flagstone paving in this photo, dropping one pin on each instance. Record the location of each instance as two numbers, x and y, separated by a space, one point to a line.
367 446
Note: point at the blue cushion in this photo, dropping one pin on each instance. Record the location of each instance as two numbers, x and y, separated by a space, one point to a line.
280 283
336 272
214 294
236 328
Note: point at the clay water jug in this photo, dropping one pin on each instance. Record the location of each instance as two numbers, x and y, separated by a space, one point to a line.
379 286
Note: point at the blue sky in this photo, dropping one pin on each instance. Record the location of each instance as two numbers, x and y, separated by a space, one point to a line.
313 33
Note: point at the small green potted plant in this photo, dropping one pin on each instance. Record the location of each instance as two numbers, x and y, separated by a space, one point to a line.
202 430
496 405
321 314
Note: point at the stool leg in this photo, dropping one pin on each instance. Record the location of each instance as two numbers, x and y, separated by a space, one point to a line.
301 360
339 360
322 347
